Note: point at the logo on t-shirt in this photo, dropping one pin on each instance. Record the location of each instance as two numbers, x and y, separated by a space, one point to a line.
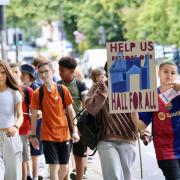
161 116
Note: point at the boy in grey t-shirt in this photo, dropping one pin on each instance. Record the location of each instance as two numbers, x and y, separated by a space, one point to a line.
78 92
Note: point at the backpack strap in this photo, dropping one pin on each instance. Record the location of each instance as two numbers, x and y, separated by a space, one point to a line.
41 94
26 95
78 83
60 90
79 86
60 82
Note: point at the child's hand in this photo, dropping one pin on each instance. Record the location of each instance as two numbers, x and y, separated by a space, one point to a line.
135 116
34 141
176 86
12 131
102 79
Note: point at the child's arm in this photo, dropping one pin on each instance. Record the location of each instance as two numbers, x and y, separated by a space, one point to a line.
144 131
139 123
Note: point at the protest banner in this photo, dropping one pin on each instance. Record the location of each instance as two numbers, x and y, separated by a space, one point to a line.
132 77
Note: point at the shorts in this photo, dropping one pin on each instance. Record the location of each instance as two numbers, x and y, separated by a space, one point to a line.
57 152
79 149
26 151
37 152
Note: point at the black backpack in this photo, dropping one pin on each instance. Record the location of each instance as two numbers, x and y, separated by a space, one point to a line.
90 129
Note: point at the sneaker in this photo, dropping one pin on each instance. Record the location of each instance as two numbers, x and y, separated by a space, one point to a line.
85 175
29 178
73 175
40 178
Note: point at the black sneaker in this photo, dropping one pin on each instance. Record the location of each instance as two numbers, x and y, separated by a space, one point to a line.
29 178
73 175
40 178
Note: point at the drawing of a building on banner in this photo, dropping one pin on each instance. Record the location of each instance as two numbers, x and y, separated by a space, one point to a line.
122 71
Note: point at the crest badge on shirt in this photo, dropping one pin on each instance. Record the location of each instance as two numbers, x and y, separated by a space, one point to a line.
161 116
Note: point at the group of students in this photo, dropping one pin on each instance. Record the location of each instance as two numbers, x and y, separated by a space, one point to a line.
59 134
56 137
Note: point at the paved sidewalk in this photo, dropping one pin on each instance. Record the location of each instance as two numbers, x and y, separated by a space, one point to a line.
94 168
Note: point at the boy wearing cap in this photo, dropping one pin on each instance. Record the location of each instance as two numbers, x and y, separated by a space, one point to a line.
28 76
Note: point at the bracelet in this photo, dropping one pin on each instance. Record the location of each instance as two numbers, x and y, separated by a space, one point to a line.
16 126
32 136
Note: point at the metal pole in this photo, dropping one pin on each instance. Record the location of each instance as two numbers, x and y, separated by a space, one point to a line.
2 33
16 38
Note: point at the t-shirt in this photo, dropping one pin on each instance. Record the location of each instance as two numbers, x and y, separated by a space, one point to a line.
165 128
25 127
54 125
7 106
76 95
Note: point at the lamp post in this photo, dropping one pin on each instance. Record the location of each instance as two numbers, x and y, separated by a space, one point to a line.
2 29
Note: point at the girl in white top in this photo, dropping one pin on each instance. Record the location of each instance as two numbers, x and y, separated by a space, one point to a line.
11 118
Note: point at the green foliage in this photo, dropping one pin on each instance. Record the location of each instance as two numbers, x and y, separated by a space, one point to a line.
156 20
97 15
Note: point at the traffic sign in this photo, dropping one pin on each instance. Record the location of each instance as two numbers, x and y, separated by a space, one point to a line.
4 2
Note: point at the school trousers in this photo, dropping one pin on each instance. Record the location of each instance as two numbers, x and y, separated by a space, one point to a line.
117 159
10 157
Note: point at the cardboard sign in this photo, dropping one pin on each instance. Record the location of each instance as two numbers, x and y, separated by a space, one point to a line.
132 77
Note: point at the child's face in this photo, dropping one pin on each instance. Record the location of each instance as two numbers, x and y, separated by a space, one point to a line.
3 76
46 73
65 73
25 78
16 73
167 74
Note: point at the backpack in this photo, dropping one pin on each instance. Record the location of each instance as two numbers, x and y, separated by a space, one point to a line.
90 129
61 93
79 86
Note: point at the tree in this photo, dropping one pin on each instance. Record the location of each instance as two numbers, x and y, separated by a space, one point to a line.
95 16
156 20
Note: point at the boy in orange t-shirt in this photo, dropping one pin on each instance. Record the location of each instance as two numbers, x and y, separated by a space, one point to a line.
55 133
